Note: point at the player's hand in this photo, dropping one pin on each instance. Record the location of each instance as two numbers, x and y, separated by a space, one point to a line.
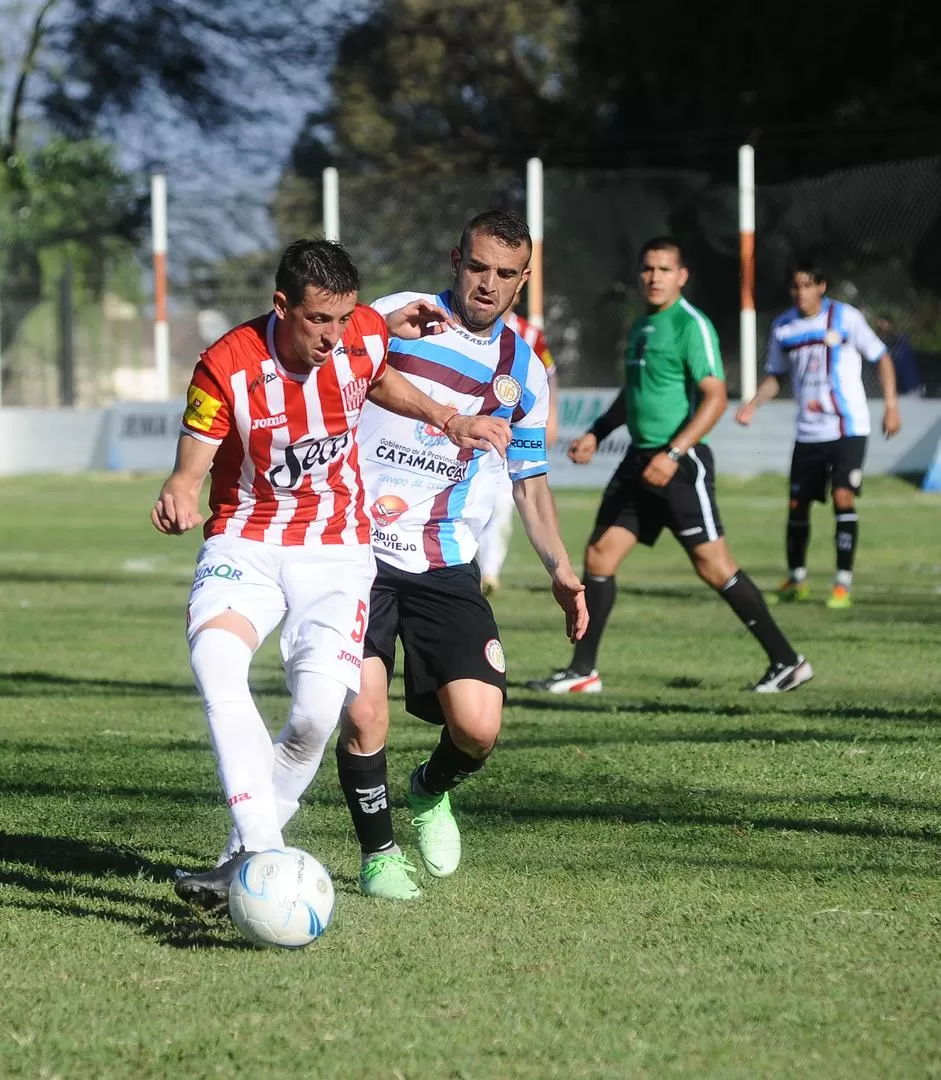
418 319
582 449
176 509
660 470
569 594
745 414
479 433
891 421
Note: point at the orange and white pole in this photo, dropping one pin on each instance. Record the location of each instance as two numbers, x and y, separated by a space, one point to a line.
534 219
748 321
158 222
331 204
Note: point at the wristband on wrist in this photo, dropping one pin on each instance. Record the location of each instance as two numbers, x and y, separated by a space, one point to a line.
674 453
444 426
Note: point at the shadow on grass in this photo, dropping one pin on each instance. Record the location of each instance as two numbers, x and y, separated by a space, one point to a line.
591 704
691 814
38 683
29 858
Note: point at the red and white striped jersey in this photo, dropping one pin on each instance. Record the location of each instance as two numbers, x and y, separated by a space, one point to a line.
533 337
287 470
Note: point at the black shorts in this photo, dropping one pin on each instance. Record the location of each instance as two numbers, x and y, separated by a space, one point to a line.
686 506
447 630
817 467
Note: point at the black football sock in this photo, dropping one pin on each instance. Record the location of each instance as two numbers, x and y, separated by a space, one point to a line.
847 534
447 767
798 537
365 784
600 594
744 598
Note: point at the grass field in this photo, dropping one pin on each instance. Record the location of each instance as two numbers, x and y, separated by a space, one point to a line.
672 879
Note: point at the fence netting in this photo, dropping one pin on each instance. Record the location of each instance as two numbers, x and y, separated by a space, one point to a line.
876 229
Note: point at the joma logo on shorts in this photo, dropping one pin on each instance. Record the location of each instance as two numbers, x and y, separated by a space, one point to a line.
349 658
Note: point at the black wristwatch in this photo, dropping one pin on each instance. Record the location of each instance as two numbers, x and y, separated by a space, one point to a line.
674 453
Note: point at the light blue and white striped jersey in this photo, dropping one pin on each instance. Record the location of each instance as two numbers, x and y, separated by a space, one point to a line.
823 354
429 499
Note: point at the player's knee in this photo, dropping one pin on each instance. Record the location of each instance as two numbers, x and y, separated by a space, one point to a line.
843 500
365 722
798 511
316 706
220 661
478 738
599 562
714 568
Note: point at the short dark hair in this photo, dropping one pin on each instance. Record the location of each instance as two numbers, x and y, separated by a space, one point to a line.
810 267
321 263
662 243
504 225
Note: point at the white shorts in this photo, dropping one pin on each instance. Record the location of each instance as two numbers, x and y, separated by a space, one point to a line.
321 592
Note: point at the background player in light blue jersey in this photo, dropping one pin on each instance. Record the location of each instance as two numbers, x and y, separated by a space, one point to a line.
820 344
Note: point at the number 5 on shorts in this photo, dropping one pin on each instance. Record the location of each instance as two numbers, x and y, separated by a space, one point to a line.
360 628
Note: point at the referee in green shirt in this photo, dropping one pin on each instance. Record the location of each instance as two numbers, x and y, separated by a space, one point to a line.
674 394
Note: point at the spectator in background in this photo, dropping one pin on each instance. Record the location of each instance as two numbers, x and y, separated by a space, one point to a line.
908 377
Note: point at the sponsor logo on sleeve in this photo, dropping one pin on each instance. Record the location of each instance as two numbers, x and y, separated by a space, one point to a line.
496 658
201 408
508 391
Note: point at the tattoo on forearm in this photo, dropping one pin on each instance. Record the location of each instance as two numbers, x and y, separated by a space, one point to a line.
550 562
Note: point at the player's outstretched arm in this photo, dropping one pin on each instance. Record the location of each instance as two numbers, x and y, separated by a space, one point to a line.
540 519
177 507
394 392
891 420
768 388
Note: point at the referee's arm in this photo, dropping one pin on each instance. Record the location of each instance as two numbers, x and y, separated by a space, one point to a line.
582 449
661 468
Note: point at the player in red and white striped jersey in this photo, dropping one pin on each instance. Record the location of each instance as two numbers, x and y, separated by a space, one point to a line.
496 534
272 413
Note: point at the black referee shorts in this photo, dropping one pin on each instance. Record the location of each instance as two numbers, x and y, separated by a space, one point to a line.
446 627
817 467
686 506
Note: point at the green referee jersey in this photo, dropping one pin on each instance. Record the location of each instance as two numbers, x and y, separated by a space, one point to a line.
668 354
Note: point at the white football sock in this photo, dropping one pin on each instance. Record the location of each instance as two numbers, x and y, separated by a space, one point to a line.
244 756
299 748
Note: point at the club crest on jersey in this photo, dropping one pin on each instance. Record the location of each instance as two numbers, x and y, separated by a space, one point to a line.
496 658
354 394
386 509
832 338
507 390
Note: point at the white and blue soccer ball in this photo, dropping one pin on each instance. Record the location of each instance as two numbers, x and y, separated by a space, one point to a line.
282 898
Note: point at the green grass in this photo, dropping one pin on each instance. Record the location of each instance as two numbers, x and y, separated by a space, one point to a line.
672 879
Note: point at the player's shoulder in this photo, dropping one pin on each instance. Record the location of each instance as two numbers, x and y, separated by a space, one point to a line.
847 312
693 316
239 346
785 318
367 320
394 301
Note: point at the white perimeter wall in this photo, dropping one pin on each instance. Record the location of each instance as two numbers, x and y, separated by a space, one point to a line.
142 437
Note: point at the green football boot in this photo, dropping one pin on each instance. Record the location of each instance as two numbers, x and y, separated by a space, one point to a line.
386 876
439 839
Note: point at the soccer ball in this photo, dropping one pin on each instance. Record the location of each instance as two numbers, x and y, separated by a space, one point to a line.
282 897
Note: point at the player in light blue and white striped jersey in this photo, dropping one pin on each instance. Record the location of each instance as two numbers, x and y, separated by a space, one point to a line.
429 505
821 344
